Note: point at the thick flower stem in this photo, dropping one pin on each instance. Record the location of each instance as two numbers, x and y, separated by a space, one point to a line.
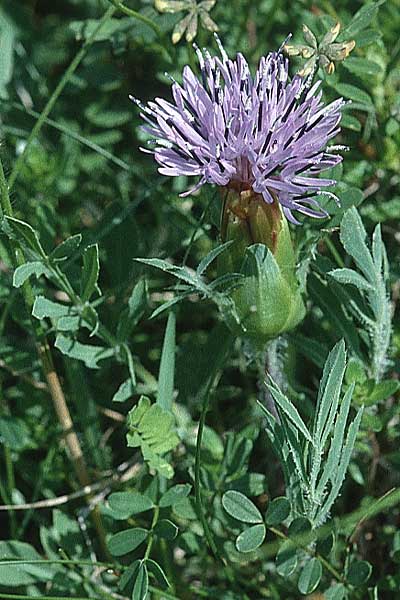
53 381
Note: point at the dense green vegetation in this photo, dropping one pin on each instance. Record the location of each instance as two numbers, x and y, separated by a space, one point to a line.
149 449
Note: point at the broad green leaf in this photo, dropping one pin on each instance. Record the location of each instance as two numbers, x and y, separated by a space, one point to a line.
70 323
26 235
24 573
14 433
166 529
336 592
23 272
126 504
66 249
125 541
310 576
90 355
382 390
167 366
324 545
250 539
175 494
278 511
152 429
250 484
141 584
43 307
90 272
240 507
286 559
299 526
359 572
124 392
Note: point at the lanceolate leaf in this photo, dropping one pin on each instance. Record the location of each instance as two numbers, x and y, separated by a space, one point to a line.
167 366
90 272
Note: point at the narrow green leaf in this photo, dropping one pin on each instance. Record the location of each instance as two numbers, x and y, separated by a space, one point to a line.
331 463
349 276
125 541
290 411
352 235
350 122
141 586
179 272
25 234
239 507
136 306
90 272
354 93
362 66
361 19
167 366
329 393
158 573
129 574
250 539
211 256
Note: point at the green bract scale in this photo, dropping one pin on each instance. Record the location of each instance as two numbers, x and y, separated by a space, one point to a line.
268 300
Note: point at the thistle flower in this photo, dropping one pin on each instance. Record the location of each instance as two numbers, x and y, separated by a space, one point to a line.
266 133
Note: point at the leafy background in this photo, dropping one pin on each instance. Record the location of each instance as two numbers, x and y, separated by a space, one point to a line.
82 173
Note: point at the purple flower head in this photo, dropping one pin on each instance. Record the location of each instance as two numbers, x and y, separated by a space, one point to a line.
267 133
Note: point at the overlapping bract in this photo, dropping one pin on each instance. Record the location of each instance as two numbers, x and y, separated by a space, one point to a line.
267 133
